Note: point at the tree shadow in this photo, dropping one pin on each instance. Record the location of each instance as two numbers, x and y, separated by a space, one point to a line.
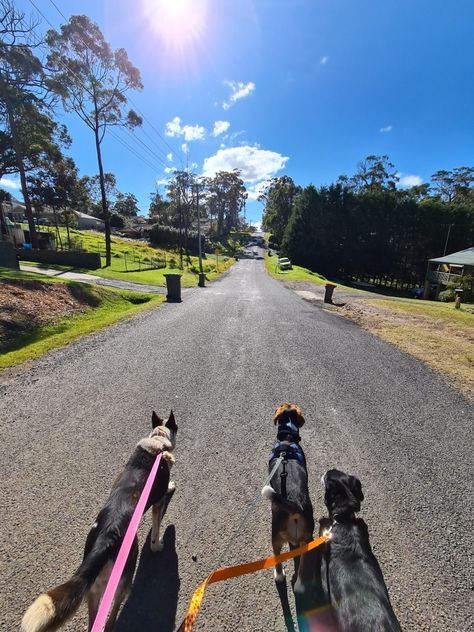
152 603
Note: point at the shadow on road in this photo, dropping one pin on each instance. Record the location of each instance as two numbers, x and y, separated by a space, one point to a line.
151 606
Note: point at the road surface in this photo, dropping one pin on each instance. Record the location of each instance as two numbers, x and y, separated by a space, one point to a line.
223 360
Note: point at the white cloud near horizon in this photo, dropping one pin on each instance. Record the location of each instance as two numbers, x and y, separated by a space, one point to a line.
190 132
255 191
254 164
324 60
238 90
9 183
220 127
387 128
408 180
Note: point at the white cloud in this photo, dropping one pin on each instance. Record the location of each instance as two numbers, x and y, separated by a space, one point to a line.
255 164
9 183
168 169
324 60
190 132
185 147
220 127
407 180
163 181
169 157
388 128
238 90
254 191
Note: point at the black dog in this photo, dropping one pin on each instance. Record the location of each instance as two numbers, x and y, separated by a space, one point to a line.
51 610
352 580
292 512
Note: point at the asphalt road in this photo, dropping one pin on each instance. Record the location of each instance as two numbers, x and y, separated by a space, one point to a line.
223 359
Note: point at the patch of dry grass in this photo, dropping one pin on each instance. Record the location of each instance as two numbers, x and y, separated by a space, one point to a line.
437 334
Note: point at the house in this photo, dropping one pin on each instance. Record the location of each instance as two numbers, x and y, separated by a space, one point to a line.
14 210
85 222
449 269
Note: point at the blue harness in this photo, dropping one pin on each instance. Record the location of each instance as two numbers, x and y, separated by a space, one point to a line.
291 451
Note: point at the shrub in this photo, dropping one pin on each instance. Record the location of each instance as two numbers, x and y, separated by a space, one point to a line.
447 296
161 235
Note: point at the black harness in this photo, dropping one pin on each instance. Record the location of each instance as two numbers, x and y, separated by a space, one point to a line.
287 445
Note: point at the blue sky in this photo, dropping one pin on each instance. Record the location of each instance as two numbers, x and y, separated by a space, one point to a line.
299 87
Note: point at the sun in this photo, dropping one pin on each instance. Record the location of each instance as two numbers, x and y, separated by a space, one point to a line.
179 23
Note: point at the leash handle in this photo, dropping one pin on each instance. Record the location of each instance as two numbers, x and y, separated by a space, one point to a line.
125 547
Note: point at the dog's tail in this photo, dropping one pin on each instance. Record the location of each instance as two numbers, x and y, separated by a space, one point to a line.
287 505
53 608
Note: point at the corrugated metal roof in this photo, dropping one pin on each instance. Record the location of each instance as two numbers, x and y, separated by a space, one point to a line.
462 258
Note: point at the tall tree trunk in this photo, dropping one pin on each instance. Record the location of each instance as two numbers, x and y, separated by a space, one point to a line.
21 169
105 207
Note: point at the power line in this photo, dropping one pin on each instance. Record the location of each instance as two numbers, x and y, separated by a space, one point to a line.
147 161
160 136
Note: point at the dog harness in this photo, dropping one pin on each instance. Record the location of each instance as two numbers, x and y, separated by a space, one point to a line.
289 451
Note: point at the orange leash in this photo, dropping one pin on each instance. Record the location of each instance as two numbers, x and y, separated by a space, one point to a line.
228 572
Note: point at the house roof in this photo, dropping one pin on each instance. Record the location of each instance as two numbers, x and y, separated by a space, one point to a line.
461 258
85 216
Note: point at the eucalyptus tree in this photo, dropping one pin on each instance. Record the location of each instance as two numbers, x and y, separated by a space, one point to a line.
58 187
94 82
279 196
28 135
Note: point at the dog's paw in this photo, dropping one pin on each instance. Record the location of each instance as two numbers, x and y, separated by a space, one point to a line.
168 457
299 588
157 546
279 577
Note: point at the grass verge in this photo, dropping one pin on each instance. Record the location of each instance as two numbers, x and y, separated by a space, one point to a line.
131 260
297 273
435 333
107 306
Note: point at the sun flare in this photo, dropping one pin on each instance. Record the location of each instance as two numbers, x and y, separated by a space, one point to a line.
179 23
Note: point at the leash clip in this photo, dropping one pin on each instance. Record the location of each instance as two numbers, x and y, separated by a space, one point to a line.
327 533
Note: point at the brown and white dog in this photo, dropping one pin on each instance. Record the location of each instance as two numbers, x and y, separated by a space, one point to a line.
52 609
292 511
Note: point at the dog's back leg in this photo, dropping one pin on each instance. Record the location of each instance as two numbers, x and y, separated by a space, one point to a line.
158 512
277 544
97 589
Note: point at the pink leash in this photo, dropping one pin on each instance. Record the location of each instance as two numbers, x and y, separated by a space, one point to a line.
125 547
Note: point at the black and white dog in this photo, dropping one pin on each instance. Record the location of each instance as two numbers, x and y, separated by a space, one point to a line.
292 512
51 609
351 577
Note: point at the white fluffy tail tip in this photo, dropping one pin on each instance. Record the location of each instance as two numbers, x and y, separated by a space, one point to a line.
39 615
268 492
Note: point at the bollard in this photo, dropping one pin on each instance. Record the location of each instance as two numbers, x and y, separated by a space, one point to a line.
329 292
173 286
457 301
202 279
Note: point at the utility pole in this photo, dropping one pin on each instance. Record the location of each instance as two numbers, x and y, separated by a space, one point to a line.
198 211
447 238
202 276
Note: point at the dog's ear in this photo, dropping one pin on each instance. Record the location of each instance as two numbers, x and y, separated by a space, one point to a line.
356 488
354 495
171 423
278 412
155 420
299 417
343 492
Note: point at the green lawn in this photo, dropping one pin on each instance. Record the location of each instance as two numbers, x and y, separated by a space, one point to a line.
297 273
107 306
444 312
131 260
